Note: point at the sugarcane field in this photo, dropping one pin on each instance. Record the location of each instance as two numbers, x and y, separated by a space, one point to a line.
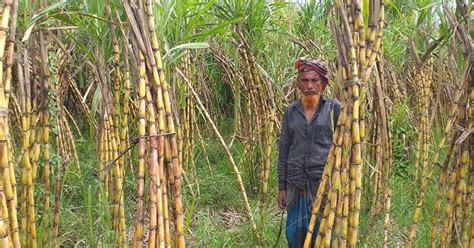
236 123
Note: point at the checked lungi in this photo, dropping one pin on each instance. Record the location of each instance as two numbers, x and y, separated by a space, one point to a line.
299 207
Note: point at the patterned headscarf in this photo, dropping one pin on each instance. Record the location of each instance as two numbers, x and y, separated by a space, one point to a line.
317 65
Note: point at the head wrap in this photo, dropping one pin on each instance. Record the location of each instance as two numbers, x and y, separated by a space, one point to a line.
317 65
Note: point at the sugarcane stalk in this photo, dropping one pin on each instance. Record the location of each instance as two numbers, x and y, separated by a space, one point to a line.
266 173
7 172
142 121
461 194
116 141
333 202
156 225
165 188
471 236
4 238
58 184
470 124
124 138
8 11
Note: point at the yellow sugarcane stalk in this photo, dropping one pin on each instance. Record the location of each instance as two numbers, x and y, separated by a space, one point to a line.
5 148
138 240
4 239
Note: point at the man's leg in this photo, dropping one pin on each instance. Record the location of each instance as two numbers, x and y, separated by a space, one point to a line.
296 224
299 215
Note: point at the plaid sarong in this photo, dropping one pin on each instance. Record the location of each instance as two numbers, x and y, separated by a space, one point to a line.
299 208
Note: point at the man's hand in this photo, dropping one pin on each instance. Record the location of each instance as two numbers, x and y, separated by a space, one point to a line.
282 199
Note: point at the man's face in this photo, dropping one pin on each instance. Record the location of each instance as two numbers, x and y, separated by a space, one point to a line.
310 83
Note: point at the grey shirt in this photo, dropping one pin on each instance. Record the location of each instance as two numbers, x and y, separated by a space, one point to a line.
304 148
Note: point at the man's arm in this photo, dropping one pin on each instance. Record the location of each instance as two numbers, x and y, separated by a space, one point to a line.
283 150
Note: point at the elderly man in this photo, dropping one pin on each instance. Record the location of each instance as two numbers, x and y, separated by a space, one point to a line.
305 139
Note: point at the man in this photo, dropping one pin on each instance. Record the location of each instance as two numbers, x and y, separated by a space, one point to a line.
305 140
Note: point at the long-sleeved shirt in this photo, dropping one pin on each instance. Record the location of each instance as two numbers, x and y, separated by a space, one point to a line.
304 148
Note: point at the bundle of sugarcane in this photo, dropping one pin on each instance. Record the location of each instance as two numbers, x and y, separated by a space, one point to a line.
260 118
255 112
455 179
342 178
156 112
33 84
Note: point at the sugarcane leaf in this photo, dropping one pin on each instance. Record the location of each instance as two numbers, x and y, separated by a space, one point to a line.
219 29
393 6
63 18
168 11
195 19
83 47
222 12
192 45
424 12
27 34
444 29
189 215
96 100
45 11
365 13
421 17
